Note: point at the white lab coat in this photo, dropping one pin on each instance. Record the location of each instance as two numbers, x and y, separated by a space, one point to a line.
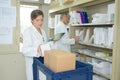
65 42
31 40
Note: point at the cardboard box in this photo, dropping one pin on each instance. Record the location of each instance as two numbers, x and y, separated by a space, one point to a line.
58 60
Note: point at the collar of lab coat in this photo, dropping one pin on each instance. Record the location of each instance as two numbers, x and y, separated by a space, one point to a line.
43 36
35 30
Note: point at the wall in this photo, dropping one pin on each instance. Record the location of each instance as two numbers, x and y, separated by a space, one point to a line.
45 9
12 67
12 63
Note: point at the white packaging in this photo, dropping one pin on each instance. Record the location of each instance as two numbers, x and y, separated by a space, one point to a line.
111 12
99 18
75 17
101 66
57 19
100 54
44 48
51 23
110 18
71 17
78 18
110 37
96 36
87 36
91 39
81 35
101 36
111 8
76 32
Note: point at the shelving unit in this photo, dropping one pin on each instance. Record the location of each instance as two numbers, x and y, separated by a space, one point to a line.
91 7
92 25
93 46
57 8
103 75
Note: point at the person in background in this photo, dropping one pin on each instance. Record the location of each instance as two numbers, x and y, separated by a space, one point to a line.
61 28
33 37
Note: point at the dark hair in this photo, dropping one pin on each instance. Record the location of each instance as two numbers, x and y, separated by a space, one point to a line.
36 13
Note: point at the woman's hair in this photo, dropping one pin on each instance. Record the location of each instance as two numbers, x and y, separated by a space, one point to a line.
36 13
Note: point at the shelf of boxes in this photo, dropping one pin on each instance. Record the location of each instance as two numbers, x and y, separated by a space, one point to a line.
88 6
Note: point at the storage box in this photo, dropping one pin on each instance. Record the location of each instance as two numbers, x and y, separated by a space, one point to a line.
58 60
102 66
41 72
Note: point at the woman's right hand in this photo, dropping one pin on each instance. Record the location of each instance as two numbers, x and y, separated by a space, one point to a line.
39 50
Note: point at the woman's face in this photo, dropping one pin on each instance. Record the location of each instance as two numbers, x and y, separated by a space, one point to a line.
37 22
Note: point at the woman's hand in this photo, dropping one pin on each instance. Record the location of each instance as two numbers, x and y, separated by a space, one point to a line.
39 50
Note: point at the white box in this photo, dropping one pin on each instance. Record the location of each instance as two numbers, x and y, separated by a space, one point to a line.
101 66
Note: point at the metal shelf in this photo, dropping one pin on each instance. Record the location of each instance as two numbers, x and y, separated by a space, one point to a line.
100 74
94 45
93 56
103 75
57 8
92 25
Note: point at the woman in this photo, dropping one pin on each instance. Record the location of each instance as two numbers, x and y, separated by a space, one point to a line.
33 37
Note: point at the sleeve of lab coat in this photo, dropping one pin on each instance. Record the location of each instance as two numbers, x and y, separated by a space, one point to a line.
29 49
59 29
66 40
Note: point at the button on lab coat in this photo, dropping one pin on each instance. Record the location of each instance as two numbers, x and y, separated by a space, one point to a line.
65 42
31 40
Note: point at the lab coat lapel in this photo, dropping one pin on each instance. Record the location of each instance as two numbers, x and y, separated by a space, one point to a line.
37 34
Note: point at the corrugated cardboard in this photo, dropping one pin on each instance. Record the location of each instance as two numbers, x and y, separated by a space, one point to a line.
58 60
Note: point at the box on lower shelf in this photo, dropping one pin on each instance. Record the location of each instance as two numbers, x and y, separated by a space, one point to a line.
83 71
